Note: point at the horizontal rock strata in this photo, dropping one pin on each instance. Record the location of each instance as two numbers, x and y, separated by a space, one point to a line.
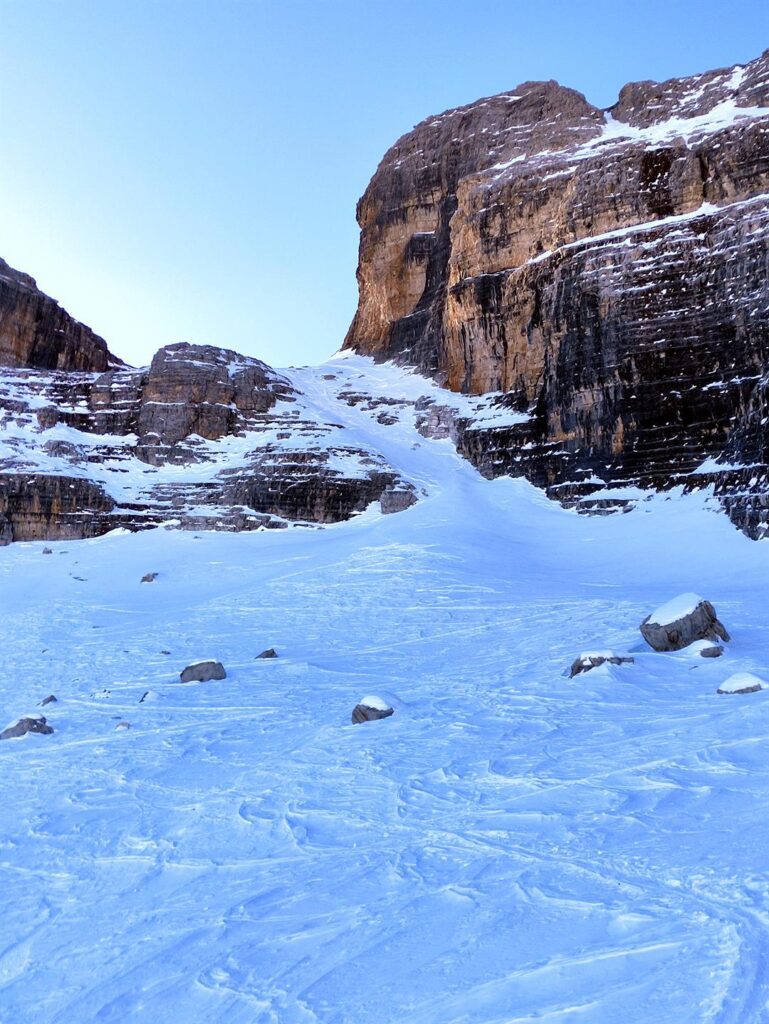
202 438
605 270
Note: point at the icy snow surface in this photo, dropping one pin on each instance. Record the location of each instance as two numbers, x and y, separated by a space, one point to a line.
509 847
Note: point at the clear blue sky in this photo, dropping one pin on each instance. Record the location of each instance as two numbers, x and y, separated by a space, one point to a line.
189 170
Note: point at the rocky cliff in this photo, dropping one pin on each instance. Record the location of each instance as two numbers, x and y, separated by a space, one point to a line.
36 331
606 270
203 437
589 287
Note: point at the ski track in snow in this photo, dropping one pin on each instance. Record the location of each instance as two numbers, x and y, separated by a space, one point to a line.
511 846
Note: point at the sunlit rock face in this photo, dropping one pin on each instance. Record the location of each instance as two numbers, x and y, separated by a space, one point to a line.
36 332
606 270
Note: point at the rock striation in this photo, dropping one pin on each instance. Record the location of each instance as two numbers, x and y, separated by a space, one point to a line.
605 270
36 331
203 438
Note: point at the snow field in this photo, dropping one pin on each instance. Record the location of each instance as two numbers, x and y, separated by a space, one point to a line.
510 846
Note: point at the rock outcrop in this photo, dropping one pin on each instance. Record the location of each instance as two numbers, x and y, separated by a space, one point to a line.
605 270
35 331
202 437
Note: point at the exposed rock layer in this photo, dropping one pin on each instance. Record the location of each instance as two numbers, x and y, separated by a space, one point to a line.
606 270
204 438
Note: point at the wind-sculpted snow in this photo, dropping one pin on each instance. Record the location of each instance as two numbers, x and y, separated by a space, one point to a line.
510 845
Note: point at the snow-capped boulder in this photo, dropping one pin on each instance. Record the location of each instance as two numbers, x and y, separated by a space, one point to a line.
370 709
680 622
592 659
33 723
742 682
202 672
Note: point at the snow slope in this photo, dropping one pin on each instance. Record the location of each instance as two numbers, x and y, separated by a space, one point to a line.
510 846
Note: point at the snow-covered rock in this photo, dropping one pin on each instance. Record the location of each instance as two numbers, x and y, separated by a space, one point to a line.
680 622
370 709
742 682
592 659
202 672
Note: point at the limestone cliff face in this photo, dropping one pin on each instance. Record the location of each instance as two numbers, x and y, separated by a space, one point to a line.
607 270
36 331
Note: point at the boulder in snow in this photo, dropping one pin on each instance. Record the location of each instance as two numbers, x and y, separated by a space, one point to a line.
742 682
202 672
714 651
370 709
269 653
149 577
396 499
592 659
47 551
680 622
34 723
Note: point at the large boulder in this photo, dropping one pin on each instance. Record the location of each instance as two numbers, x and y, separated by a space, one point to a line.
680 622
370 709
202 672
34 723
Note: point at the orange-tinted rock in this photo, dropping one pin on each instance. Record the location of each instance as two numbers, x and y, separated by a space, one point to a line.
36 331
607 273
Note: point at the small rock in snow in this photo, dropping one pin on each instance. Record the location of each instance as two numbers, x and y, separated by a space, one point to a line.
202 672
123 725
592 659
712 652
102 694
370 709
34 723
50 699
147 696
269 653
149 577
47 551
742 682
